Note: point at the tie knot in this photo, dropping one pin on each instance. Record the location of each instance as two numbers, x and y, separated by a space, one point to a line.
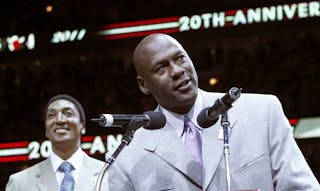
186 120
66 167
188 125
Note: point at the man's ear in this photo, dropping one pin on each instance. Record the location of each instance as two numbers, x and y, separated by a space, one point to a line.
83 129
142 85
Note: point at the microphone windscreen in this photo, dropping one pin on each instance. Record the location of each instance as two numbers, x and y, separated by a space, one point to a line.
157 120
204 120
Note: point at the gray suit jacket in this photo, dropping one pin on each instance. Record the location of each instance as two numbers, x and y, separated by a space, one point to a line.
42 177
263 155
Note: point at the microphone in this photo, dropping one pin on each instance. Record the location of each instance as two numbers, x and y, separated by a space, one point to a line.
149 120
210 115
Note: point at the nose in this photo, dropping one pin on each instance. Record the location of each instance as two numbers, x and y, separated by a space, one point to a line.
176 71
60 118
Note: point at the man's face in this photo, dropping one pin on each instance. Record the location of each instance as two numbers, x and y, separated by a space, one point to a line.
167 72
63 123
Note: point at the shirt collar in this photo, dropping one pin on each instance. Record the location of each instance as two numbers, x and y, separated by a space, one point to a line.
75 159
176 120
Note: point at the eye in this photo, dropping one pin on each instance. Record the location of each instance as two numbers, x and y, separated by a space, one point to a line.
181 58
160 68
50 115
69 113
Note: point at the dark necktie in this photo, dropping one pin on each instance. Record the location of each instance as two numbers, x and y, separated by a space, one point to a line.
192 140
67 183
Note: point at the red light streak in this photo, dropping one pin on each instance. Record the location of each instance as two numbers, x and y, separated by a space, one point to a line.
141 22
13 145
87 139
14 158
137 34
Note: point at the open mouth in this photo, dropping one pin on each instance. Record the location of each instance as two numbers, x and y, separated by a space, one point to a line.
61 130
184 84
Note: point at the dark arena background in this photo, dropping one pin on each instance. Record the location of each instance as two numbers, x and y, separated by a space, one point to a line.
84 48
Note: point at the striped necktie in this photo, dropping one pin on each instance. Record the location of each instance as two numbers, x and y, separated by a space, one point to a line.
67 183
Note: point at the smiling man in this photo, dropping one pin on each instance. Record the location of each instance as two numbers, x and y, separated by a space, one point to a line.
68 167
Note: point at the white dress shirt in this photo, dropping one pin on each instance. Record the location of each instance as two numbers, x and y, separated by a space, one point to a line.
177 120
75 160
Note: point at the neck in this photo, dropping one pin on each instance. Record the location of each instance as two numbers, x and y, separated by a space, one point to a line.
181 109
64 152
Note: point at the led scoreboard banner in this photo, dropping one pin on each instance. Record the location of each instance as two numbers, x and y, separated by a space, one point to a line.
28 150
212 20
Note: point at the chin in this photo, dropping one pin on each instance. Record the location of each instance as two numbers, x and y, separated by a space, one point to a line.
190 96
62 139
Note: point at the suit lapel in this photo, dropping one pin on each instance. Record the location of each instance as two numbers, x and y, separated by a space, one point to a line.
87 173
166 144
212 142
212 152
45 177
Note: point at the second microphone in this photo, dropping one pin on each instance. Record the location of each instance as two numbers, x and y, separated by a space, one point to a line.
149 120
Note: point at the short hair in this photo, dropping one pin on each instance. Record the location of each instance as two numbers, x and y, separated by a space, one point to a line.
69 98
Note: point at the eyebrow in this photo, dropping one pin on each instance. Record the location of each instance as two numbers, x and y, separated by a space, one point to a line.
63 109
175 53
179 52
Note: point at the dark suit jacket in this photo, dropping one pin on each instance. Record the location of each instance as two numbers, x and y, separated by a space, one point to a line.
41 177
263 154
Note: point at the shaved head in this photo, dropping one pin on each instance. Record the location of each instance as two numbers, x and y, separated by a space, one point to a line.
165 70
148 46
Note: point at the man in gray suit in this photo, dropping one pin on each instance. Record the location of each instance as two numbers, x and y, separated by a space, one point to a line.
65 122
264 154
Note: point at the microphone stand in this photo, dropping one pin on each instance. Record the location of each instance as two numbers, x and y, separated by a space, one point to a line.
130 130
225 124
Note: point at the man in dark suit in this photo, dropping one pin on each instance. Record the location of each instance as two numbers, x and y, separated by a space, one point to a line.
65 123
264 154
